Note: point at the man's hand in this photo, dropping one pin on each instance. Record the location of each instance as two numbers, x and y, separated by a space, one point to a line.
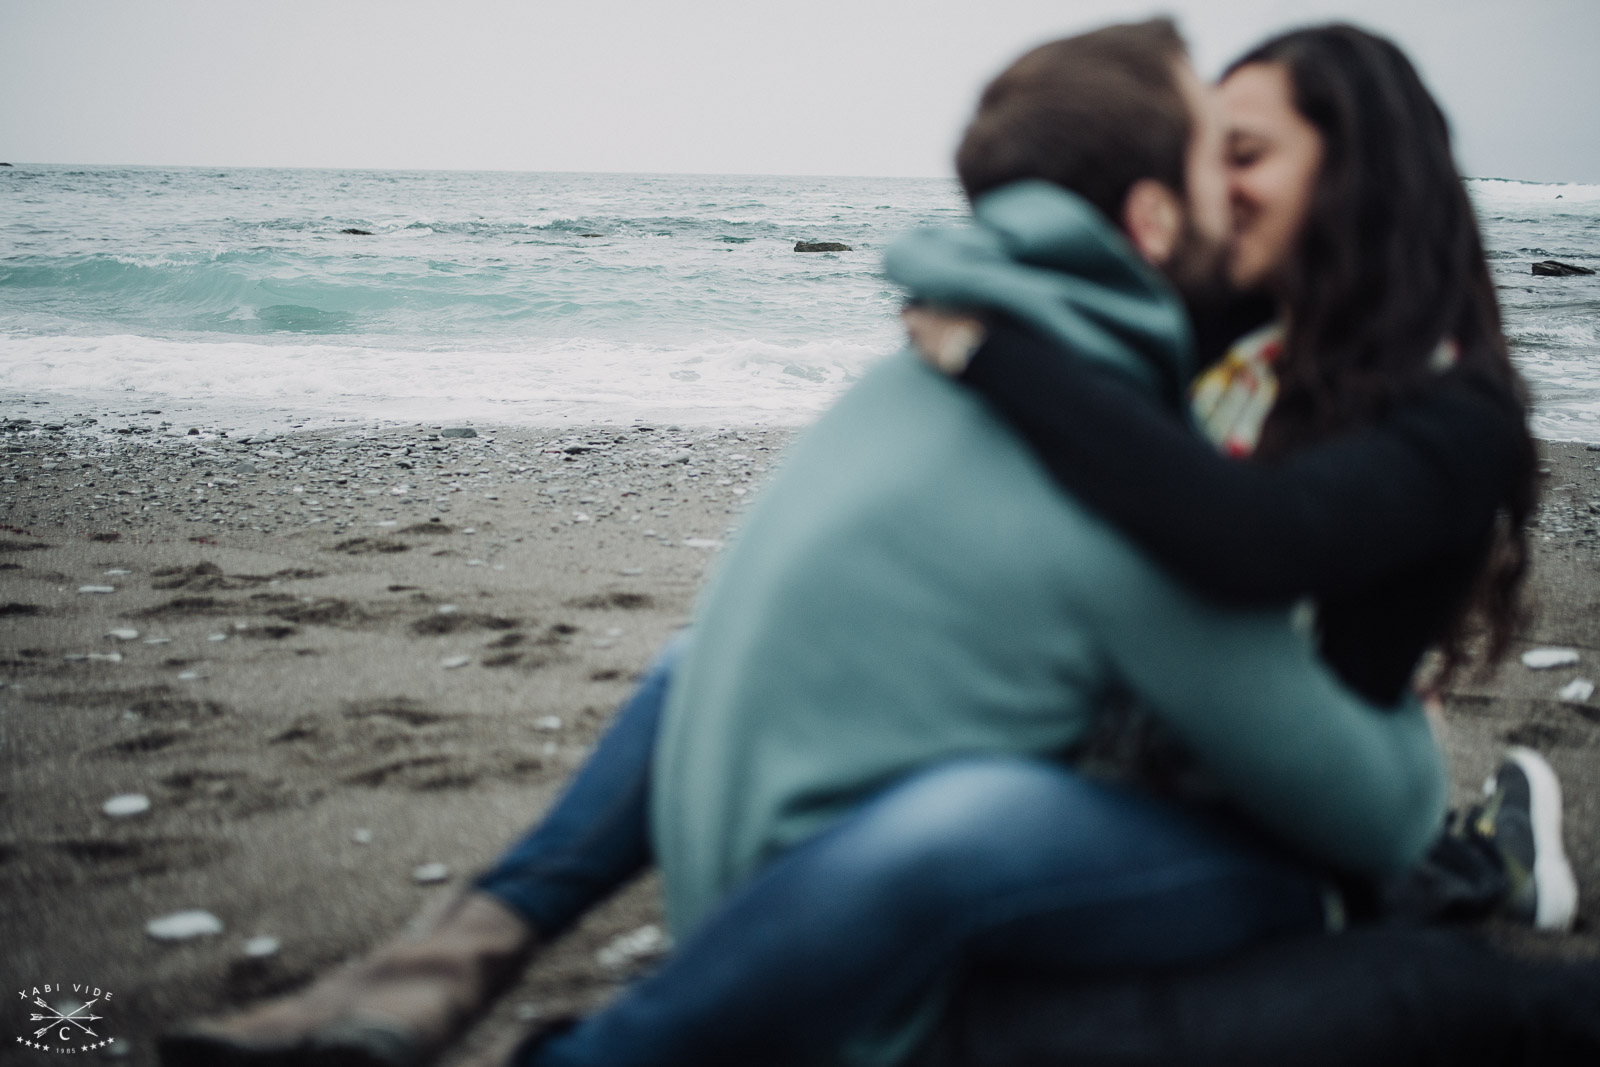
945 341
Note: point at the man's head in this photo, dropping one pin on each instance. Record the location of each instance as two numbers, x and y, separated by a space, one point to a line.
1119 117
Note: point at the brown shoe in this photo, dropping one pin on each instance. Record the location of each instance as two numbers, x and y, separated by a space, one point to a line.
396 1008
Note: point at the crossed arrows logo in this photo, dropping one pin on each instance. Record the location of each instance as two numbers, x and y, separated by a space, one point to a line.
55 1018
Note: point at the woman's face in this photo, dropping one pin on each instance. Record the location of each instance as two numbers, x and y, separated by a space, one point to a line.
1273 156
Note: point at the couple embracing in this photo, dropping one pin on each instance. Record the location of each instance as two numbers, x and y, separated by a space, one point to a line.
1055 703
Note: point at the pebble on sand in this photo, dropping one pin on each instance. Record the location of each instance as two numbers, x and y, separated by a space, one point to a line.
450 663
259 948
1576 691
361 836
125 804
430 874
458 431
547 722
184 925
1539 659
97 589
188 676
123 635
637 944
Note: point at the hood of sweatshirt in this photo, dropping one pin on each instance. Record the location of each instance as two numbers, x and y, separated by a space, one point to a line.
1046 257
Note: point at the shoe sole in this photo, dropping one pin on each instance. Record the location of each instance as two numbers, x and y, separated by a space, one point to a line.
1555 888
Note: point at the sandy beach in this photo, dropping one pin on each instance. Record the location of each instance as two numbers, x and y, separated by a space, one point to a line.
329 659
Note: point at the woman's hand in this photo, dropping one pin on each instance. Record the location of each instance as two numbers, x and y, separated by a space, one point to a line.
945 341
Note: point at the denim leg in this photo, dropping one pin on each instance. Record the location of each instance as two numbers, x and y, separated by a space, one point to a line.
597 836
996 857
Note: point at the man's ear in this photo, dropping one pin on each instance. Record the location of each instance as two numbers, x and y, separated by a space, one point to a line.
1152 217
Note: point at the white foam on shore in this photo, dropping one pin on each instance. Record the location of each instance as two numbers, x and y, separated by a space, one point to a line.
535 383
1496 191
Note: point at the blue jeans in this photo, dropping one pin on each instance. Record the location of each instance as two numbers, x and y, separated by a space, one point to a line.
597 836
993 858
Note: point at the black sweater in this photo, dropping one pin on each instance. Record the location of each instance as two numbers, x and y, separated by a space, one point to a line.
1385 525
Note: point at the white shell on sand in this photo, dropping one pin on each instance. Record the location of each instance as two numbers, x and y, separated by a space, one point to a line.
124 804
259 948
547 722
429 873
97 589
183 925
625 948
1577 691
701 542
450 663
362 836
105 657
123 635
1540 659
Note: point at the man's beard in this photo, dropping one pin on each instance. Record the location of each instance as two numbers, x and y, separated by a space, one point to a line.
1198 267
1219 313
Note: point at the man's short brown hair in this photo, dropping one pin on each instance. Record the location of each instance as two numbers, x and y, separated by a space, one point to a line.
1092 113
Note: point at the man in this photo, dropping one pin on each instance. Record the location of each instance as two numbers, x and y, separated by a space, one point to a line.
912 593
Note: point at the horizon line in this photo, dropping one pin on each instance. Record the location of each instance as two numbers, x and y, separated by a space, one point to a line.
630 173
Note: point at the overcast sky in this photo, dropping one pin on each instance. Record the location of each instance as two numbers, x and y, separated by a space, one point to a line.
710 86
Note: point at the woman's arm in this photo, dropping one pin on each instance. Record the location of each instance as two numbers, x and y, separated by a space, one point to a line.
1332 518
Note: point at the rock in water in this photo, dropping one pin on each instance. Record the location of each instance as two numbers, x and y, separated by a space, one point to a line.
1551 268
821 246
184 925
356 231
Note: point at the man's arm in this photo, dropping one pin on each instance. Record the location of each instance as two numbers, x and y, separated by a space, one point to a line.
1359 787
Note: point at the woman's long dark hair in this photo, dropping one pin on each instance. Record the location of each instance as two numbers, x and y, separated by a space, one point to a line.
1389 262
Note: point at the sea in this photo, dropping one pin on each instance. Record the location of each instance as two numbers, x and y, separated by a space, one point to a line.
246 298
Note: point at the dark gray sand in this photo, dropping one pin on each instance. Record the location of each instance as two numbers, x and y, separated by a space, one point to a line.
293 708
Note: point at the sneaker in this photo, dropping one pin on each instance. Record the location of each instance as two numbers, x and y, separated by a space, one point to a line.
1521 818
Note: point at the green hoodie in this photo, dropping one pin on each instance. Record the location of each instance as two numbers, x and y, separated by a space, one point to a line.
913 586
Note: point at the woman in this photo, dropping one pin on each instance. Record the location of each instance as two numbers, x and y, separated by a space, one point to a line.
1384 527
567 865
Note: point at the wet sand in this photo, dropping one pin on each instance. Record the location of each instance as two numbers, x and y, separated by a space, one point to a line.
359 652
